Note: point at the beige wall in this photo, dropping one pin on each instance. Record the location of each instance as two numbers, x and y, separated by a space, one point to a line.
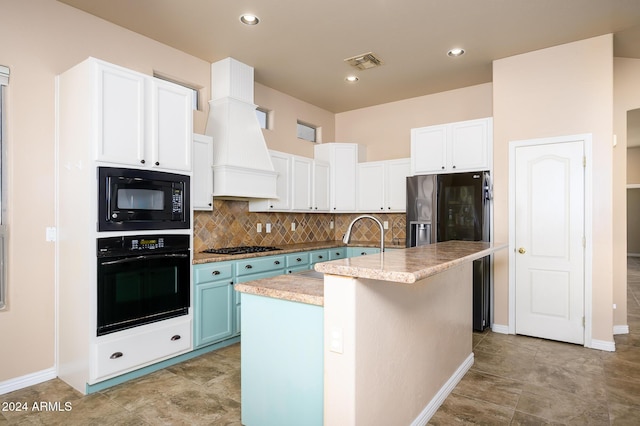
41 39
626 97
386 129
562 90
287 111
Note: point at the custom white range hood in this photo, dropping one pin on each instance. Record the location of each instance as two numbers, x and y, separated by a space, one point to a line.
242 166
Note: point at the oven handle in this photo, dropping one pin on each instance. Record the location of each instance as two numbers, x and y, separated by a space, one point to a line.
143 257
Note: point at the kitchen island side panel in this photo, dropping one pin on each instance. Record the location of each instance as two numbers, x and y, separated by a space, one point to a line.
400 345
281 362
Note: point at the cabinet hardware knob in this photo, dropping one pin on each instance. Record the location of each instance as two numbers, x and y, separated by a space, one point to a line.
209 204
454 167
389 208
116 355
337 253
298 259
215 273
363 253
142 161
521 250
157 163
248 267
320 257
442 167
381 208
175 337
310 208
277 262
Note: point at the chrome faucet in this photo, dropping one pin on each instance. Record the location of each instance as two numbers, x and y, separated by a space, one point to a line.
347 236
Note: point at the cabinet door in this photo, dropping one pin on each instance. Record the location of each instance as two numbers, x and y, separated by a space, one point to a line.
301 183
320 186
395 187
213 314
202 178
343 184
429 149
371 186
171 126
120 115
470 145
282 165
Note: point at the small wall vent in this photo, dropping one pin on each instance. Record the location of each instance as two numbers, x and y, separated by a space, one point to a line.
364 61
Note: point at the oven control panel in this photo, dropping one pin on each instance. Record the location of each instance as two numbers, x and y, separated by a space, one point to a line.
137 244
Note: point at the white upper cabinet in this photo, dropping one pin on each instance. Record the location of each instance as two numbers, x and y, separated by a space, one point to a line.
343 159
120 114
382 185
202 177
282 164
302 183
454 147
171 125
140 120
321 197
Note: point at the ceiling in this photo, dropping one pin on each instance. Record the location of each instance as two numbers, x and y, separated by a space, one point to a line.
299 46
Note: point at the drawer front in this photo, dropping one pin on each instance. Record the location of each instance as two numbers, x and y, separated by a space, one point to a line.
253 266
297 259
212 272
337 253
319 256
137 350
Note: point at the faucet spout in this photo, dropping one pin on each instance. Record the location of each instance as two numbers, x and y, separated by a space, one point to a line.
347 235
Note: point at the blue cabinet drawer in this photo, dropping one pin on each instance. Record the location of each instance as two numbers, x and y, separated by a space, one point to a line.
212 272
263 264
337 253
319 256
297 259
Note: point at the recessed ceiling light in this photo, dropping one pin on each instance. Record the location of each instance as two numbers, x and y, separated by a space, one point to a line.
455 52
351 79
249 19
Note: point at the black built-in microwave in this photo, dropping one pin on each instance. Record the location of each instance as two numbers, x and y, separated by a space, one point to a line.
133 200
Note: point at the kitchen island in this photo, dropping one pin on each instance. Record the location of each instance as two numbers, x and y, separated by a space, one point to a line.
381 340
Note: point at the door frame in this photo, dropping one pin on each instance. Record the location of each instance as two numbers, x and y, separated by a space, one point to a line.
588 226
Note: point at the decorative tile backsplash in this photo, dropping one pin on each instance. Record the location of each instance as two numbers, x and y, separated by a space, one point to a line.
232 224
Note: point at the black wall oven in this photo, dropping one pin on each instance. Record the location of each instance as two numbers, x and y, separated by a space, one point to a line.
141 279
132 200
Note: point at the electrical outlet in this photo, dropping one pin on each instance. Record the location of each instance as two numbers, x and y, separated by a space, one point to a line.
268 230
385 224
293 226
331 225
259 228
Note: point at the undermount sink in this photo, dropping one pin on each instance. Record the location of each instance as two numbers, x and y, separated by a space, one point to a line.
311 273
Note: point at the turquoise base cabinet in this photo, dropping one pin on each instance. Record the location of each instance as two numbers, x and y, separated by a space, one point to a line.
281 362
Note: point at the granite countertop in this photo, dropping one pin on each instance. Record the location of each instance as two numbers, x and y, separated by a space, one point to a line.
199 258
400 266
410 265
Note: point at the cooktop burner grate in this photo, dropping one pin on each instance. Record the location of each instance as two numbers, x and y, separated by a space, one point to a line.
240 250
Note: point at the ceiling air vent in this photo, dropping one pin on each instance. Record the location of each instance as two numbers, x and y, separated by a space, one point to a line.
364 61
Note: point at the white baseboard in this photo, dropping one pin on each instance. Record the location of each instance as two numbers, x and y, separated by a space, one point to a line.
498 328
27 380
435 403
620 329
603 345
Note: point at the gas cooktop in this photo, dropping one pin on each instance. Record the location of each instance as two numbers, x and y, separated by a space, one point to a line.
241 250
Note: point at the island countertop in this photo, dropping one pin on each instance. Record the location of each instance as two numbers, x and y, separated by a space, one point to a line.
400 266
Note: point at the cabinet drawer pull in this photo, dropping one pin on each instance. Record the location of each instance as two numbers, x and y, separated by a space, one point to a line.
248 267
116 355
176 337
337 253
277 262
363 253
215 273
298 259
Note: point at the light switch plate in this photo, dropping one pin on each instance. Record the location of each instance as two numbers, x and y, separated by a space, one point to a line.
51 234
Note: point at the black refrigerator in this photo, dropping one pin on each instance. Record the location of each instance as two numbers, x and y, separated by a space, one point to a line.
454 207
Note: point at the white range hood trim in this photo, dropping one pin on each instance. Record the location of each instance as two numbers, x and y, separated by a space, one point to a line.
242 182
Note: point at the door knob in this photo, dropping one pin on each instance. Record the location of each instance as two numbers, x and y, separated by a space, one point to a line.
521 250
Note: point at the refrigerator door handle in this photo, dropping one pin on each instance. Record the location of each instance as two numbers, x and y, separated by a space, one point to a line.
488 187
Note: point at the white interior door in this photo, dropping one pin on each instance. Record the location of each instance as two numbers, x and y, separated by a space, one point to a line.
549 240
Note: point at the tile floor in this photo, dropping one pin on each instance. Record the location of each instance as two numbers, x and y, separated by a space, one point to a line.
515 380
